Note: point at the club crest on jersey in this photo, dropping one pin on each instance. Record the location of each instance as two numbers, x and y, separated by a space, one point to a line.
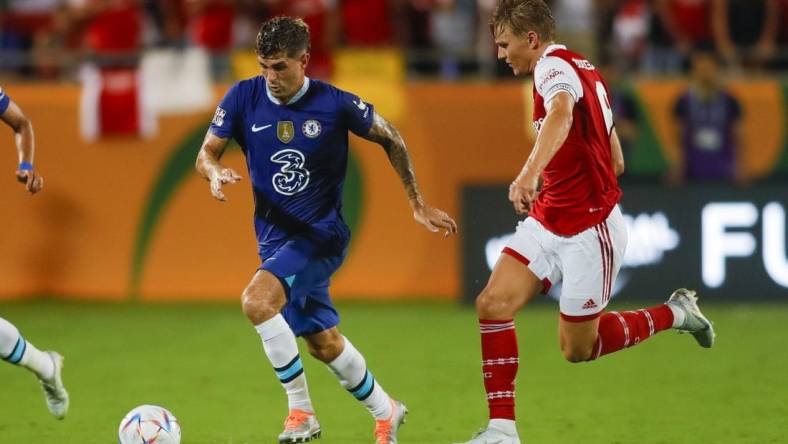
285 130
311 128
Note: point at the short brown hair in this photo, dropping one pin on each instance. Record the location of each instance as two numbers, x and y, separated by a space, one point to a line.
288 35
521 16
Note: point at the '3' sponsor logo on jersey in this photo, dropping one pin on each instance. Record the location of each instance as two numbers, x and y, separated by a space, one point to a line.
292 176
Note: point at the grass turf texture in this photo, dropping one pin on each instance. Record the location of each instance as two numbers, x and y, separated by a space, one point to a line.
205 363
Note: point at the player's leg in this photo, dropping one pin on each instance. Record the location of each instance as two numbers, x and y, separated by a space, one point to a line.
263 300
591 263
511 285
614 331
523 270
47 366
350 367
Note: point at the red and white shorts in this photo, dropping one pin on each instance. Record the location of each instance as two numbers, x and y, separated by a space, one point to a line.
587 262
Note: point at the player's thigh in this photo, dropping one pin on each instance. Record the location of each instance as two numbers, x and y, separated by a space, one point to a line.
591 261
511 285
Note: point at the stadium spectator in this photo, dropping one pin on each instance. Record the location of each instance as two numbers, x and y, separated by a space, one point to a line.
322 16
27 29
625 110
780 61
677 26
575 24
112 98
707 117
623 26
415 35
453 32
210 26
485 46
746 31
367 22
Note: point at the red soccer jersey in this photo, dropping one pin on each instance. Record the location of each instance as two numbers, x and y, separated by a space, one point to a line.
579 188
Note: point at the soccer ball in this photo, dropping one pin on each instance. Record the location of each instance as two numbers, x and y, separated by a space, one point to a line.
148 424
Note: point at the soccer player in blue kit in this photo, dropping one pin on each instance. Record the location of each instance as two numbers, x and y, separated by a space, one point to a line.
14 348
294 133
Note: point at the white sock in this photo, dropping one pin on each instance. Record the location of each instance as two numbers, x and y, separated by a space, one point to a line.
16 350
280 346
351 369
678 315
505 425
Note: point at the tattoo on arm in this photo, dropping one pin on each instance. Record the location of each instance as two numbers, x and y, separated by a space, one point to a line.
384 134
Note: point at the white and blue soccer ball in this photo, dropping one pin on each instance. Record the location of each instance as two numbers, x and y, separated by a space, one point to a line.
149 424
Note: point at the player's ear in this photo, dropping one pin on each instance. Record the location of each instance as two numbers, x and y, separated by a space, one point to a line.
533 39
305 60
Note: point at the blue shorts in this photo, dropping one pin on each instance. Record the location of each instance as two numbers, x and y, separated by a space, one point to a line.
305 275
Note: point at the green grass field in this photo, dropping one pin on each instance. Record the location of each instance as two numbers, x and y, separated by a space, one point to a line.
205 363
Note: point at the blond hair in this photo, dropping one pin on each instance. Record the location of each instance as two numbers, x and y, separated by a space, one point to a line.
522 16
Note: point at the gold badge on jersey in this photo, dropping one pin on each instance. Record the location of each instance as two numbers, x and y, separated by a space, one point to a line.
285 130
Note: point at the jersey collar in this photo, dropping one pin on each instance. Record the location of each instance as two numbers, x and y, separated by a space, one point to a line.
549 49
294 99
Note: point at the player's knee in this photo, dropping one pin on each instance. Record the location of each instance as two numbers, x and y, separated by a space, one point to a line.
326 351
256 307
576 353
493 304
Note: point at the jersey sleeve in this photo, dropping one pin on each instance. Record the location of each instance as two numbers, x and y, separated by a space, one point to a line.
224 119
553 75
4 101
356 113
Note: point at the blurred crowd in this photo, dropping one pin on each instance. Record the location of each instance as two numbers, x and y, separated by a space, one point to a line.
446 38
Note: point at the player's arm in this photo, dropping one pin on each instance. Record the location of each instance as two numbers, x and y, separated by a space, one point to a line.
616 153
210 169
553 134
25 147
384 134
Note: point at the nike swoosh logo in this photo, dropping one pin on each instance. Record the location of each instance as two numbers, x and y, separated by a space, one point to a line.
257 129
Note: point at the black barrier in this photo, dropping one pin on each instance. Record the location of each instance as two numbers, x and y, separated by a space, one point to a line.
726 242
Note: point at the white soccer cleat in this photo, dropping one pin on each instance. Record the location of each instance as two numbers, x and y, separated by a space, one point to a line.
56 394
493 436
300 426
386 429
694 321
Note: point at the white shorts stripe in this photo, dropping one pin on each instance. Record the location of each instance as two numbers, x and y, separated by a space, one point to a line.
609 245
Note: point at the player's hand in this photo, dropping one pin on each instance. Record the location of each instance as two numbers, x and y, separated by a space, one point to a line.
32 180
433 218
221 177
523 192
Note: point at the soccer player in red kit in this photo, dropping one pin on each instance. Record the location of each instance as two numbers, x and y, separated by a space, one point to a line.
574 231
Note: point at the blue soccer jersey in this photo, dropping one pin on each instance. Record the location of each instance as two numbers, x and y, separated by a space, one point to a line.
296 154
4 101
